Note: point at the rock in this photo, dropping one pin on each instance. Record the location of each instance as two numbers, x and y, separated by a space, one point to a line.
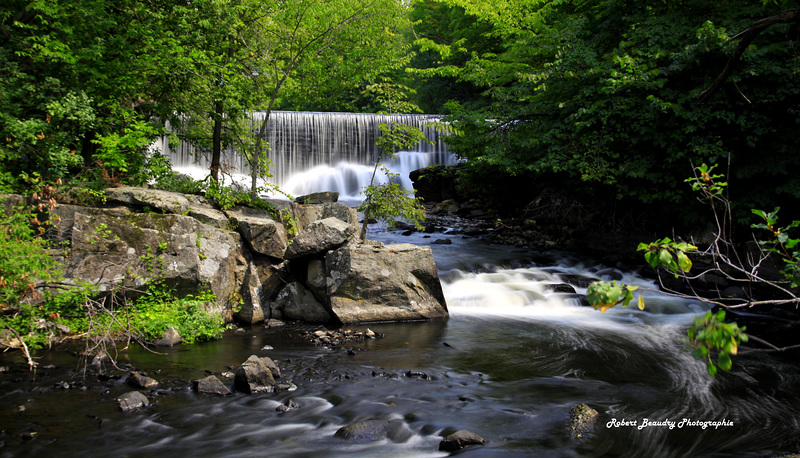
287 406
253 376
169 338
560 288
211 385
315 279
383 283
364 431
164 201
442 242
295 302
307 214
138 380
581 421
460 439
578 280
132 400
251 311
264 235
319 237
273 368
318 198
114 247
446 207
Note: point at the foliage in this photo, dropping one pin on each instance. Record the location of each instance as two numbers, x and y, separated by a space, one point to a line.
158 173
25 264
159 309
668 254
603 296
387 201
605 92
710 332
781 244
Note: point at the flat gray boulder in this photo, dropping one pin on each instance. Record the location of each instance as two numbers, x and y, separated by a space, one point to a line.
163 201
319 237
383 283
132 400
211 385
325 197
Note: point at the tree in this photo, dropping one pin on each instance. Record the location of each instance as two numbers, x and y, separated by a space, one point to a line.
606 92
387 201
303 42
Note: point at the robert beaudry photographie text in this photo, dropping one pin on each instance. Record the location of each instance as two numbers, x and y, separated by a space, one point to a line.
671 424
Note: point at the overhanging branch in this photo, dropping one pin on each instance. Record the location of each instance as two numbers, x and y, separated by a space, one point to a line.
746 37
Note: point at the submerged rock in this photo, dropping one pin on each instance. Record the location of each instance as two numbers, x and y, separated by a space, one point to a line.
460 439
364 431
581 421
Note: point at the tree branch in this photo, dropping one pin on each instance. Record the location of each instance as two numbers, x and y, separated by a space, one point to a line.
746 37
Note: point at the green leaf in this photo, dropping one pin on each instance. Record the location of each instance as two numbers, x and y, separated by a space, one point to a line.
641 302
724 361
684 261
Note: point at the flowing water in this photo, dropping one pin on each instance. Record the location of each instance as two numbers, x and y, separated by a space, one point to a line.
508 364
316 151
512 359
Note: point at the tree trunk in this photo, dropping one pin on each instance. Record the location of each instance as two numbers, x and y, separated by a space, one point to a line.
216 148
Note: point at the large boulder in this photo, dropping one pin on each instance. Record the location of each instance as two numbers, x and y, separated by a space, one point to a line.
383 283
321 236
262 233
115 247
295 302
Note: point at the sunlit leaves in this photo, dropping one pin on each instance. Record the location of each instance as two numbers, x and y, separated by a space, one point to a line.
668 254
711 333
604 295
781 243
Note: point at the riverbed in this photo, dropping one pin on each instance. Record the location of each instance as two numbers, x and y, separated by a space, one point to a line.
509 363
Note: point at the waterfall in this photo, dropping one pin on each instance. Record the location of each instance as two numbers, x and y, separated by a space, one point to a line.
315 151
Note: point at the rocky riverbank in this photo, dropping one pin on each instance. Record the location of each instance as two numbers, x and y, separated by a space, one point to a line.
300 260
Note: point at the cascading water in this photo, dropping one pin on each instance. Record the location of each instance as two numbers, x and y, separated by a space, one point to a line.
313 151
514 356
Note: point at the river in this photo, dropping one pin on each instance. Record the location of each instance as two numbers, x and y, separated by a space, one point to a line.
508 364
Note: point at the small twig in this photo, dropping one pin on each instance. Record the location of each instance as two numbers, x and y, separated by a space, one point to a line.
31 363
764 342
